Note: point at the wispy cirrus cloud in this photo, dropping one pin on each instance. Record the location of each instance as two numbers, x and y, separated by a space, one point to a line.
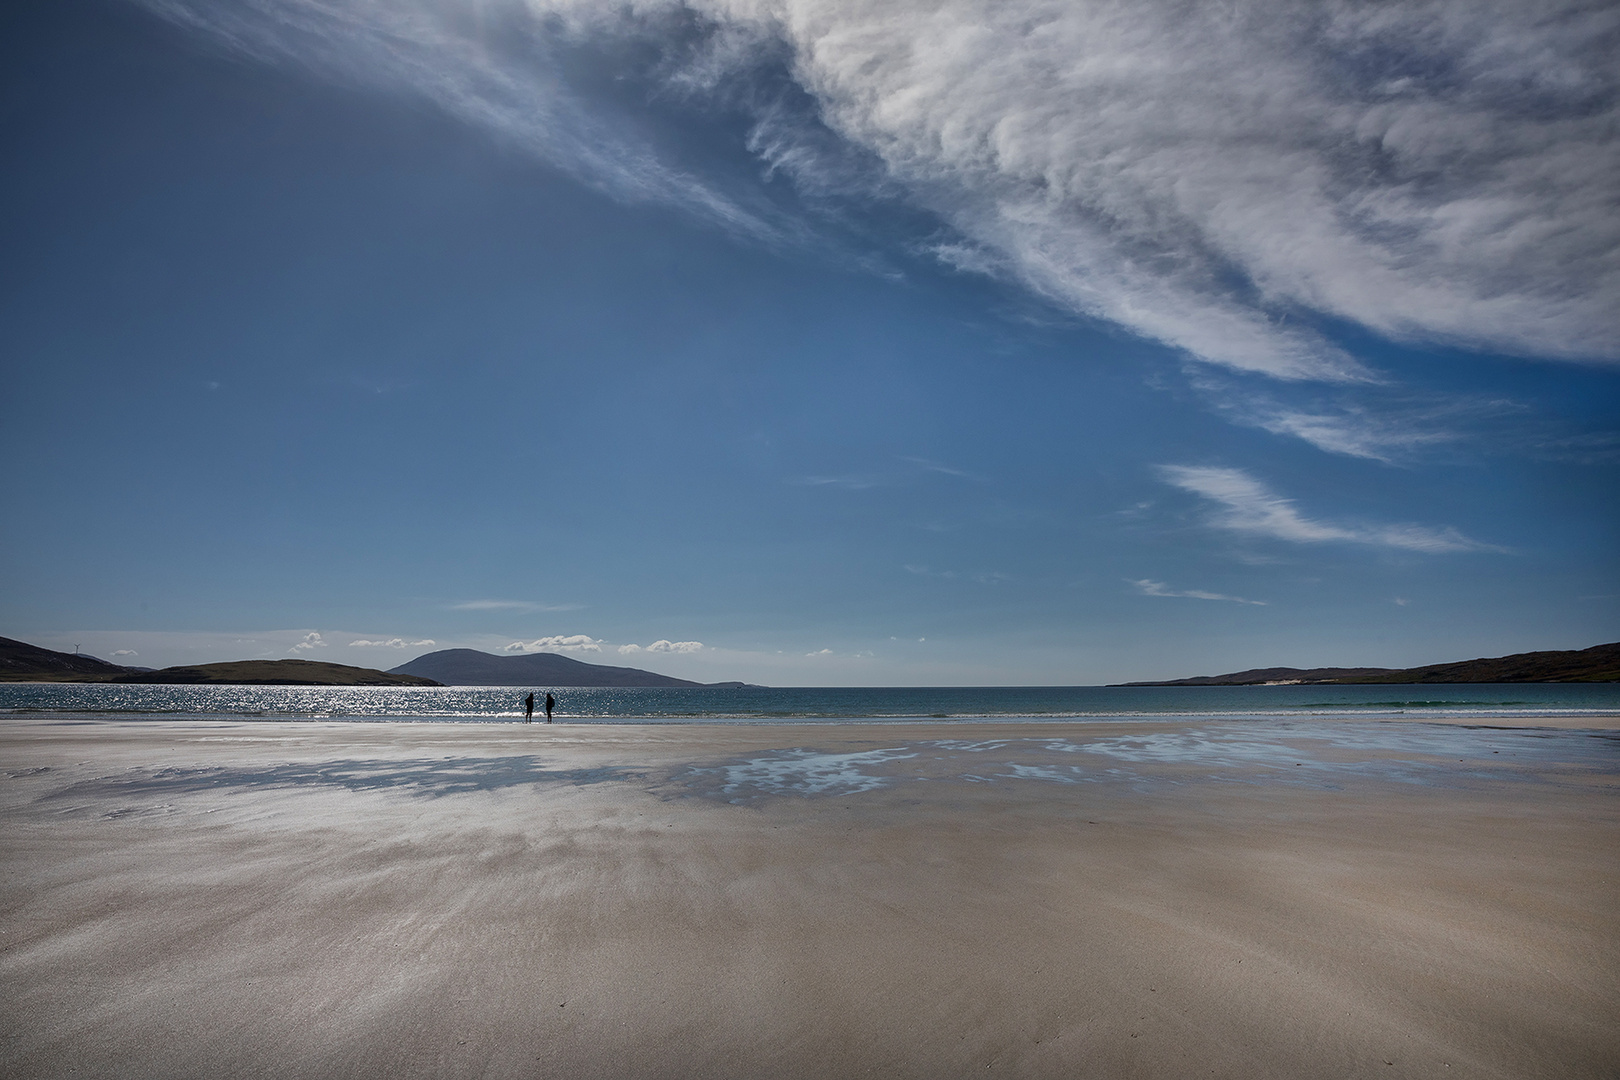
849 482
927 465
1389 424
1245 505
1210 177
1352 432
1158 588
902 470
500 66
982 577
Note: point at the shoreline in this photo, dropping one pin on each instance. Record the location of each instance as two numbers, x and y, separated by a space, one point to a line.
1562 721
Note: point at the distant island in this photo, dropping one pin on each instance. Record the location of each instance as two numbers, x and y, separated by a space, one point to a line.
1600 663
22 662
469 667
274 673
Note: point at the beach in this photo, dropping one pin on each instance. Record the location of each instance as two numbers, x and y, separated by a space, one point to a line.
1133 898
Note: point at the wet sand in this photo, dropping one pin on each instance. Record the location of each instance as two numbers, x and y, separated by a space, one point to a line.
197 899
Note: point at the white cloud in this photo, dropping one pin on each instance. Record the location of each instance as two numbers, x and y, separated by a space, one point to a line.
1159 588
848 483
558 643
1383 423
1354 433
125 652
392 643
820 652
983 577
518 93
627 650
1199 174
1248 506
905 469
944 470
1438 169
312 640
675 646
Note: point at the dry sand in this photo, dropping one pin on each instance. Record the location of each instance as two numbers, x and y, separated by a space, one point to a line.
198 899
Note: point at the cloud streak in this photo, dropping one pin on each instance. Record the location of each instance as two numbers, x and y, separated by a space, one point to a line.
1212 177
499 66
391 643
1245 505
1159 588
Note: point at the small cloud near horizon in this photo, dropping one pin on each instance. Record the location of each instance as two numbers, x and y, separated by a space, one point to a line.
391 643
662 646
557 643
312 640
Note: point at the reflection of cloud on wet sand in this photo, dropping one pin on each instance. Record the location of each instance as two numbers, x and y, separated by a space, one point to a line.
1315 755
449 776
1319 755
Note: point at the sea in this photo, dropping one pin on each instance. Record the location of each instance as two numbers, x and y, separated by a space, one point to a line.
782 705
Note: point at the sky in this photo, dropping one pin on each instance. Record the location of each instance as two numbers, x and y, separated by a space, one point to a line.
811 342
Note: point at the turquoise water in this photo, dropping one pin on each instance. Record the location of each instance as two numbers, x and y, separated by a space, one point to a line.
790 705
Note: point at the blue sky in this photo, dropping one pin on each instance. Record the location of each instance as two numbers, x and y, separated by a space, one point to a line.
807 342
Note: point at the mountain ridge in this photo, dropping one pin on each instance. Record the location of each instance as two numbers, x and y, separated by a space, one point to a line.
470 667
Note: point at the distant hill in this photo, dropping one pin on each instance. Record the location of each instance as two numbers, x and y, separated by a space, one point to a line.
273 673
1600 663
1262 676
469 667
22 662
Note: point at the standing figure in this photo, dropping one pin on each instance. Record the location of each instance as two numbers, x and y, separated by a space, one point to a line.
550 701
528 708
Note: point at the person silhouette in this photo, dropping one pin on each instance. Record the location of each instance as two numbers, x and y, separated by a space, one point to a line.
550 701
528 708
